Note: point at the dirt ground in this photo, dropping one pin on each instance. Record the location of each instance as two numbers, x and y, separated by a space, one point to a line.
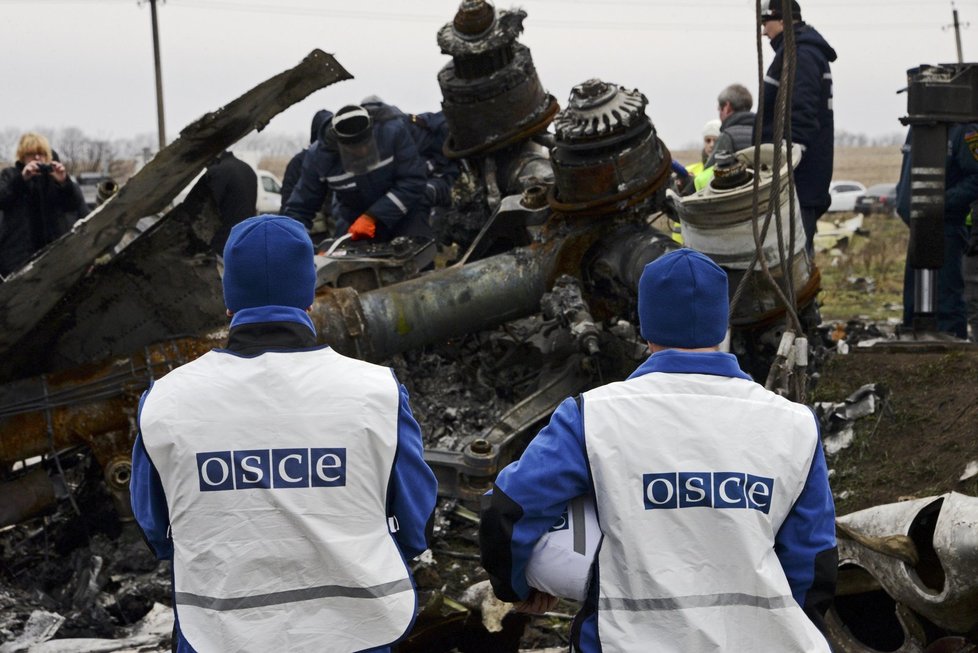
919 443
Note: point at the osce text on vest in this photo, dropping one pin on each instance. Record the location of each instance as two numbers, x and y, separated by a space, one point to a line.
720 490
271 469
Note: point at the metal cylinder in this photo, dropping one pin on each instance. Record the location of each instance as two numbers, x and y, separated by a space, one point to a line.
437 306
718 221
606 151
491 94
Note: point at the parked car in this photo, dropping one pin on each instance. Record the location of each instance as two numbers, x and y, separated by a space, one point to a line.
878 198
844 194
269 198
269 192
89 181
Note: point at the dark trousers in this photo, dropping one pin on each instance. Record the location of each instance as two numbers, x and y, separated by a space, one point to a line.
952 314
809 218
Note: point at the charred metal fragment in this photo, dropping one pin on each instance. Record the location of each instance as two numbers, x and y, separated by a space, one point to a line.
918 557
30 293
492 96
94 406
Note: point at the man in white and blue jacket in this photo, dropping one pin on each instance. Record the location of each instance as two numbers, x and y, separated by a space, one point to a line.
286 482
712 493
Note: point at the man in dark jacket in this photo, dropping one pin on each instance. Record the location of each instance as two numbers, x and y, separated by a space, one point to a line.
294 170
736 120
234 185
812 117
369 160
38 201
960 189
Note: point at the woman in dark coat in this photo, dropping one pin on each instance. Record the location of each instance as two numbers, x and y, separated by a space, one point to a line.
38 202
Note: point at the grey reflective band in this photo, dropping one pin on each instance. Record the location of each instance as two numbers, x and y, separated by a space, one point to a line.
293 596
398 203
771 80
580 528
697 601
335 178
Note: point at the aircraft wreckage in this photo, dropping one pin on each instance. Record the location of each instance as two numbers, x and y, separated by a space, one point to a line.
553 230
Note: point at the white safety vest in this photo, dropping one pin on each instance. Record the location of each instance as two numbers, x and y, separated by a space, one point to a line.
276 470
694 475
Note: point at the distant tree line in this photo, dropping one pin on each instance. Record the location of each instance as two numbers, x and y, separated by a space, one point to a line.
83 153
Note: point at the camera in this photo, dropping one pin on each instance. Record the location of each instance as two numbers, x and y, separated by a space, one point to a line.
45 168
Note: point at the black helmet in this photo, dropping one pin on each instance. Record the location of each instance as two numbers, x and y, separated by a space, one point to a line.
351 124
774 10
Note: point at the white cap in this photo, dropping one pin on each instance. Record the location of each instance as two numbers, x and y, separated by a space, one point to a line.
712 128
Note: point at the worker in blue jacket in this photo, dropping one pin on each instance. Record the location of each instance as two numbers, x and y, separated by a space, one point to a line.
711 493
812 114
371 164
429 131
289 519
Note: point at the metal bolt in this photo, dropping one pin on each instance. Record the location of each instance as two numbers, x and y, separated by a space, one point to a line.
480 447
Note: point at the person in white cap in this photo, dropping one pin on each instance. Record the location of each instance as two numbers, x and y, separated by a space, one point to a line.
711 492
286 482
711 132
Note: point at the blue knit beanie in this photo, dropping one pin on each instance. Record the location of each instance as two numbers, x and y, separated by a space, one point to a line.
683 301
268 261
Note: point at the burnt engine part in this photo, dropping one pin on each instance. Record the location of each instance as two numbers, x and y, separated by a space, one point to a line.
607 155
719 221
492 96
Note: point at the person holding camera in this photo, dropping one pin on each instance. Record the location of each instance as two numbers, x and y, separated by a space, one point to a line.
38 200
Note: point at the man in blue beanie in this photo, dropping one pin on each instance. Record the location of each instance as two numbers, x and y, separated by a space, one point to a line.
711 492
286 482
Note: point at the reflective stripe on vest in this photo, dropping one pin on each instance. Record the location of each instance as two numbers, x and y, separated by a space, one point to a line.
276 471
694 475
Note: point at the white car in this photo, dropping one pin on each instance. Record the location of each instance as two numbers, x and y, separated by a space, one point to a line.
269 192
269 198
844 194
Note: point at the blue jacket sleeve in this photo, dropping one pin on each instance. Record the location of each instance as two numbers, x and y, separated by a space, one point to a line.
410 176
528 496
148 500
413 488
310 190
805 97
962 174
806 545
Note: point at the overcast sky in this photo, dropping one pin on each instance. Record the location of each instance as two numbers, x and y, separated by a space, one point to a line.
89 63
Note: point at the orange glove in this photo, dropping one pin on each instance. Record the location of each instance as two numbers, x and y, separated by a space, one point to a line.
363 227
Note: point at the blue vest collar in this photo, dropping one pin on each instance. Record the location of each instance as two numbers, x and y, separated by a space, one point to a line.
673 361
272 314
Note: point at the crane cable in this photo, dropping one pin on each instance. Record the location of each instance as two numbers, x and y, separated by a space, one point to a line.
781 132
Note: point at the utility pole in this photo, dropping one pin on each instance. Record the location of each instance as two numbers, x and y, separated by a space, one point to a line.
159 76
957 31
